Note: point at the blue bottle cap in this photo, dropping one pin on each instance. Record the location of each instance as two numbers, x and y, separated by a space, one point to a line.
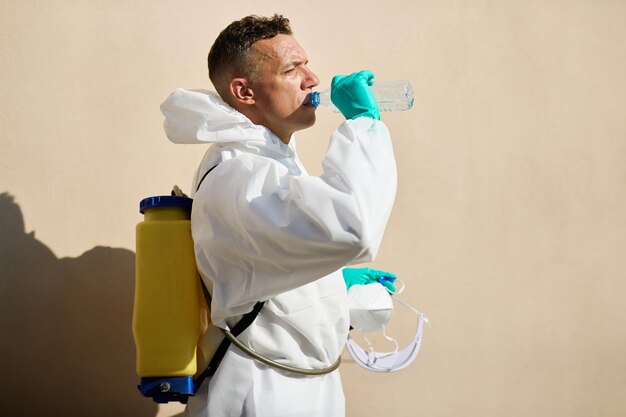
314 99
165 201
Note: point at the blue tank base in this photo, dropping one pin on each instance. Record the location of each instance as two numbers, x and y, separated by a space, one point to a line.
167 389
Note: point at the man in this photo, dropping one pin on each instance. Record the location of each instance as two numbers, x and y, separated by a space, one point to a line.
264 230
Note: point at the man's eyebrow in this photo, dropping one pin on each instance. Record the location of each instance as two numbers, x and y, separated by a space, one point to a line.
295 61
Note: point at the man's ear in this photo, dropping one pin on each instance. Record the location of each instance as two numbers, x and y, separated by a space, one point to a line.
241 91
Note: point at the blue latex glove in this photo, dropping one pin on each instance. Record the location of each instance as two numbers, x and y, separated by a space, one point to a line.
363 276
353 96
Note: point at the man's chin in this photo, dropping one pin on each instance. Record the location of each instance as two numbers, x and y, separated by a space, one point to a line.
306 123
303 119
311 119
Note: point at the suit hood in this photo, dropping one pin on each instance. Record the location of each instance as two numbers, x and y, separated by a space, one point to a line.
201 116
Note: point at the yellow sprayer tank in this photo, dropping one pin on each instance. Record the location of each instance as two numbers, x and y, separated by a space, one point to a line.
166 314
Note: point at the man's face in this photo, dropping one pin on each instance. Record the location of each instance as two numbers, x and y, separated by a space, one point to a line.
281 83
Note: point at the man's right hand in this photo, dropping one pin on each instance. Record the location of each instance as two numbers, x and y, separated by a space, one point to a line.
353 96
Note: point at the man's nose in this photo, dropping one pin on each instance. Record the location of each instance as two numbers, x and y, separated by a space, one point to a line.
310 80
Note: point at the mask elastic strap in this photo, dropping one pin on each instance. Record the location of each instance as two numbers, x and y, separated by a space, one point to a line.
390 339
420 316
413 309
398 291
369 344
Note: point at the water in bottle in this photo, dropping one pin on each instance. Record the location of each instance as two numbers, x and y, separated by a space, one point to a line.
390 96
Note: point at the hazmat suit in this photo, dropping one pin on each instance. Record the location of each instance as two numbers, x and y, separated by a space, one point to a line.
265 230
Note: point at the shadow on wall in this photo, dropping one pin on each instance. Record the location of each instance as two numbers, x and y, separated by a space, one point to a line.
66 345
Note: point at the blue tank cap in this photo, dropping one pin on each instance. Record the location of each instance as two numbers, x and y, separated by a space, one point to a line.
165 201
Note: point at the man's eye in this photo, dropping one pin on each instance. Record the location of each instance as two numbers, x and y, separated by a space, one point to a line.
287 71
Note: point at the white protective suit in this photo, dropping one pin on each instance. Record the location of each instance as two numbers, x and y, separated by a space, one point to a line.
265 230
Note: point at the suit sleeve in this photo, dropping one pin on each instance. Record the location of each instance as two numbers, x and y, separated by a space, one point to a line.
260 231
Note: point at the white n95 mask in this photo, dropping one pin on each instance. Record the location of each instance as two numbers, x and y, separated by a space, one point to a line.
389 361
370 306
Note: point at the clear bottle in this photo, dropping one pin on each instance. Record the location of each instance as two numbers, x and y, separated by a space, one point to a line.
390 96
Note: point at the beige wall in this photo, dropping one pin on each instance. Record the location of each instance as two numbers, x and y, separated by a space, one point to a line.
509 227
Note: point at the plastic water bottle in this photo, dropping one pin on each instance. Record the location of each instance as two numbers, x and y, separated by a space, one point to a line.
390 96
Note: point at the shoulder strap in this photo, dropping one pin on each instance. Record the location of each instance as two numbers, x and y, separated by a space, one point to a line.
204 176
219 354
242 325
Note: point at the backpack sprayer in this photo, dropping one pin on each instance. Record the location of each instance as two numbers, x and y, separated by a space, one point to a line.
169 313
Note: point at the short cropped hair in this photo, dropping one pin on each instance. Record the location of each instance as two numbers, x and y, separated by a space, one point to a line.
229 56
